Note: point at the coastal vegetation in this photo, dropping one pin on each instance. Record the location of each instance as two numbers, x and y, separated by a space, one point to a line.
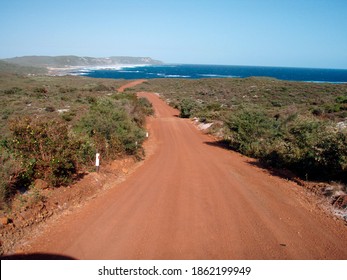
51 128
6 67
298 126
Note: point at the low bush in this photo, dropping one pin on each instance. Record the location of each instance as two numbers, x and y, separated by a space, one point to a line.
13 90
40 90
45 149
250 131
146 106
312 148
68 116
112 130
342 99
9 172
186 107
50 109
101 87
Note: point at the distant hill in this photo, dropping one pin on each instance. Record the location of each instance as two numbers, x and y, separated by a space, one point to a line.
70 61
22 70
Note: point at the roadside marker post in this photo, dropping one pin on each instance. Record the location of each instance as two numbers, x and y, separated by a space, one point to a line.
97 162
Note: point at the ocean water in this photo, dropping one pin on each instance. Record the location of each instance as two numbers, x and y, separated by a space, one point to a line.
216 71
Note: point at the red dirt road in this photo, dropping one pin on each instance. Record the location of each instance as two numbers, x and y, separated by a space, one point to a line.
194 200
131 84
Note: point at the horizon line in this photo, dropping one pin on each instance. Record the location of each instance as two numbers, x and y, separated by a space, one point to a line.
187 63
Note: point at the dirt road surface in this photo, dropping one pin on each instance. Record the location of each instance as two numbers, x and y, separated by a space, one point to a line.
131 84
194 200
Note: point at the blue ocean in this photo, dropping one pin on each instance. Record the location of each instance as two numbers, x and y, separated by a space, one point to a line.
217 71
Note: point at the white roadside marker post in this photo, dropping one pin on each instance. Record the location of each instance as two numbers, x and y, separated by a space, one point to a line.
97 162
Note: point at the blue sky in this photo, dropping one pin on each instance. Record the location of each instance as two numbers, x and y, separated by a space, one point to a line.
298 33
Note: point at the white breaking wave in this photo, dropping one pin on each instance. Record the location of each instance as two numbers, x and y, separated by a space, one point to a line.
322 82
221 76
79 74
115 67
126 71
84 70
176 76
169 76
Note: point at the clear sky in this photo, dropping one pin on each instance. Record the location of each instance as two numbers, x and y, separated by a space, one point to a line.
299 33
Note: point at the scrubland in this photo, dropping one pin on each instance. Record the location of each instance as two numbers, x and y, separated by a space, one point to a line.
51 128
301 127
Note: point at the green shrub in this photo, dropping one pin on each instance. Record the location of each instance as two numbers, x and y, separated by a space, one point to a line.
332 108
124 96
67 89
112 129
311 148
68 116
9 172
45 149
100 87
186 107
138 109
213 106
250 131
50 109
13 90
317 112
40 90
146 106
276 103
208 116
91 99
342 99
